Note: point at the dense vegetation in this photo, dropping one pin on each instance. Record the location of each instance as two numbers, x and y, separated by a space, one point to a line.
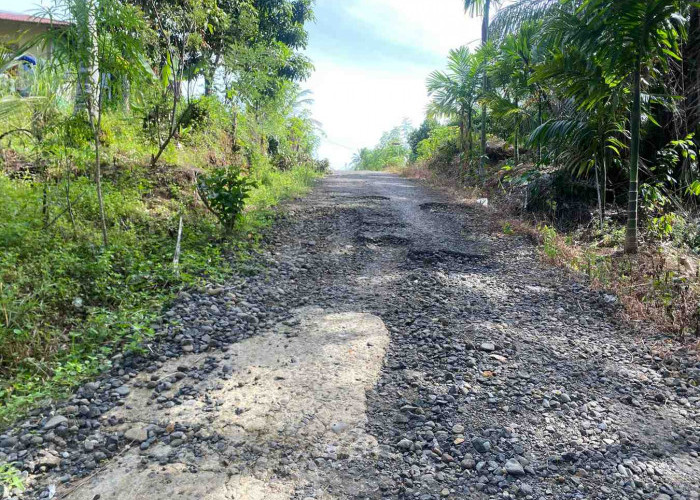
146 150
585 112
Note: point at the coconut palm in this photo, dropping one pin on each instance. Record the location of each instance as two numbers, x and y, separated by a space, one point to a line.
514 15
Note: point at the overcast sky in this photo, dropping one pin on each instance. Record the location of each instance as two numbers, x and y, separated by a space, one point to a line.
20 6
372 58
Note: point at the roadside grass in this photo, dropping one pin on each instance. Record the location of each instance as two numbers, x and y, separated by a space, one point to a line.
67 305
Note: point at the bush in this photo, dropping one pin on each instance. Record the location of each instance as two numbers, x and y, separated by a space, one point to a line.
224 192
441 142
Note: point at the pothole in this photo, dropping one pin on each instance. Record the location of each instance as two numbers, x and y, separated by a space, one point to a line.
444 207
435 256
384 239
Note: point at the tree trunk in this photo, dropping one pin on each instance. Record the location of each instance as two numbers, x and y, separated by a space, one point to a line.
599 190
485 83
69 204
469 130
176 257
93 70
631 240
694 41
126 94
517 133
208 84
210 75
539 123
234 133
98 183
604 180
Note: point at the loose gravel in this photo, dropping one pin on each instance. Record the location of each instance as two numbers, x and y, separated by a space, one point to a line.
501 377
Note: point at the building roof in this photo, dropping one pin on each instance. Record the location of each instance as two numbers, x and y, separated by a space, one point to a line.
26 18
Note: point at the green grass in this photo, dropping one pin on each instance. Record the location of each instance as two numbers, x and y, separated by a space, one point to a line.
11 477
67 305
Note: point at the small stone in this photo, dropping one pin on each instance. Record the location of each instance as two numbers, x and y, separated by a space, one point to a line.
123 390
47 459
526 489
405 444
488 347
55 422
138 434
8 443
458 429
514 468
481 445
468 462
339 427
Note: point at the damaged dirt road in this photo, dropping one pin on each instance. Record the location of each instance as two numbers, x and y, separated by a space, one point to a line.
390 345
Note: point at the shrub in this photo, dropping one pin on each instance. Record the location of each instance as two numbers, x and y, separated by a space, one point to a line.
224 192
442 142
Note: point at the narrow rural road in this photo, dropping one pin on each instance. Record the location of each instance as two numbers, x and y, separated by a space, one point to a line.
393 346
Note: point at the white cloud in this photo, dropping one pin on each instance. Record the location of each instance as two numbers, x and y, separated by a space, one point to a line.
355 101
433 25
356 105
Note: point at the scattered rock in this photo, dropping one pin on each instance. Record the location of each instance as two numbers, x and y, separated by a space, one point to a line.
514 468
55 421
137 434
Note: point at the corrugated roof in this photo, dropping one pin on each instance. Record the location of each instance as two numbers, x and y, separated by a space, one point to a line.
25 18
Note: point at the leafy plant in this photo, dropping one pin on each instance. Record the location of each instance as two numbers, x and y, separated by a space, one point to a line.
549 241
224 192
11 477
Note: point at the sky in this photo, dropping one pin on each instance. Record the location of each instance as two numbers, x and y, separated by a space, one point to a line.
372 58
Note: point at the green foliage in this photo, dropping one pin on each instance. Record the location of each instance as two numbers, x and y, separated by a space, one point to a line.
11 477
420 134
224 192
454 92
549 241
124 157
441 143
392 151
662 227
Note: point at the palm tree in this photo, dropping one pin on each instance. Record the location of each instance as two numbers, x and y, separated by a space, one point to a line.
482 8
512 92
627 38
513 16
454 93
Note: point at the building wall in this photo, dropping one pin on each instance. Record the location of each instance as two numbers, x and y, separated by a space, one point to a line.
15 33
